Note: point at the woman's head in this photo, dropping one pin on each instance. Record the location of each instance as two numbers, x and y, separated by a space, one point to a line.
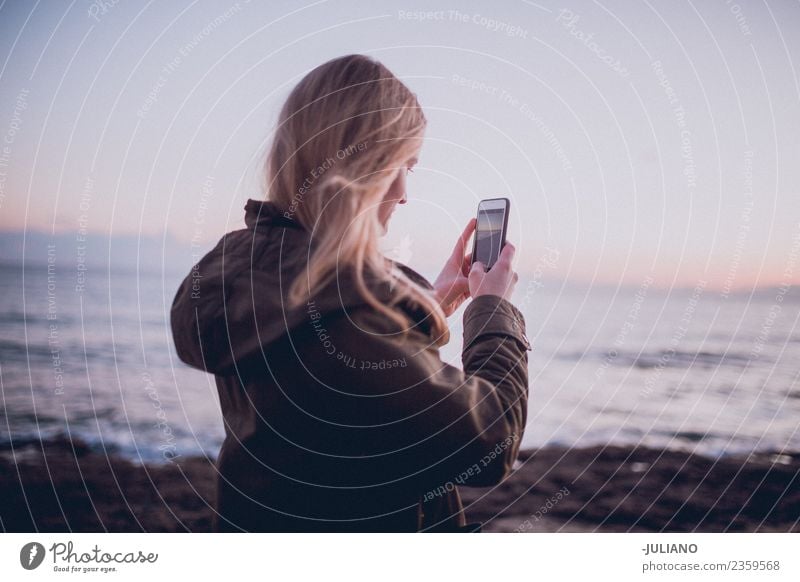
346 136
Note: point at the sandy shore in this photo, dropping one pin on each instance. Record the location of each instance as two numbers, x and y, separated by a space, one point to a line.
66 486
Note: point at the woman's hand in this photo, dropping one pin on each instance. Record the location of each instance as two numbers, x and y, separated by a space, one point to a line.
452 285
500 280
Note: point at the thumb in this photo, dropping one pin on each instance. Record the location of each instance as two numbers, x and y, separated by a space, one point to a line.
477 267
476 276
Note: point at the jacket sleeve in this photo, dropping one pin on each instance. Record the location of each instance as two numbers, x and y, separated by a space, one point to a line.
439 424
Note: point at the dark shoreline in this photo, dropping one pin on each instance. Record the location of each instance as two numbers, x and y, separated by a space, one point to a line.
75 488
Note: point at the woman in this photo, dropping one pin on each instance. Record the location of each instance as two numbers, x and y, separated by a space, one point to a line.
339 413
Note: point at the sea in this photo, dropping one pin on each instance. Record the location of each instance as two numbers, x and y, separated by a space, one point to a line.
88 353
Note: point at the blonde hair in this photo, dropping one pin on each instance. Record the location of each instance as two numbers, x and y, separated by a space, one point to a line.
344 133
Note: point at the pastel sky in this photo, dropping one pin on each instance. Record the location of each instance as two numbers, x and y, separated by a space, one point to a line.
634 139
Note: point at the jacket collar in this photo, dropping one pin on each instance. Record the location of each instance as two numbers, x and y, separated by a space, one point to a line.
267 213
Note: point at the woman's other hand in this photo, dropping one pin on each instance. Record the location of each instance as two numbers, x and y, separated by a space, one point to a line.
499 280
452 285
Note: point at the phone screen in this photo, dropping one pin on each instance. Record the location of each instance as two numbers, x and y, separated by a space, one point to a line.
490 232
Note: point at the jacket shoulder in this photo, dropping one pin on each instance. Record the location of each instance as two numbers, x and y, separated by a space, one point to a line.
414 275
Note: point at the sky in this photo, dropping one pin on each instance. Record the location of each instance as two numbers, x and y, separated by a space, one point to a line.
636 141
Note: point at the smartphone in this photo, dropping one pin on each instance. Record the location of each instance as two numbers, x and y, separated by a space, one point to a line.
490 232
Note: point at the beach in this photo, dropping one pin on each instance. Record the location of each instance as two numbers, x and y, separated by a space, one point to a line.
63 484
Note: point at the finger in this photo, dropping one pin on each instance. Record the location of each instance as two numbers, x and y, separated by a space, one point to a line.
461 244
511 282
457 287
471 225
458 301
507 254
466 264
476 274
460 285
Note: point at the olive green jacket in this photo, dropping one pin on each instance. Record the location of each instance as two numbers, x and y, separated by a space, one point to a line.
335 421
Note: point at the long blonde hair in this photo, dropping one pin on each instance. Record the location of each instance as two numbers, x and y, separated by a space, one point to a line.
345 131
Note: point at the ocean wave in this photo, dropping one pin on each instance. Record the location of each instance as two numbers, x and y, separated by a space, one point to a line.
664 358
